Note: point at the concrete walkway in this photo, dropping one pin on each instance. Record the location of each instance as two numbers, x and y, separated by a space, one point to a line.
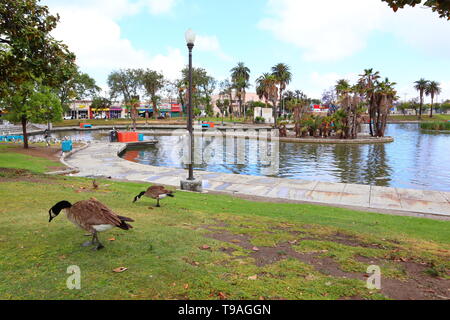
100 159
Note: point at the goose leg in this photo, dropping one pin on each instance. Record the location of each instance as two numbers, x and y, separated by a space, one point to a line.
99 245
157 203
89 243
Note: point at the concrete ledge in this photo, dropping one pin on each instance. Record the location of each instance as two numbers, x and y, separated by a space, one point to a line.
65 155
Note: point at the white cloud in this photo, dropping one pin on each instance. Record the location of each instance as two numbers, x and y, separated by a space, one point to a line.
159 6
91 31
211 44
330 30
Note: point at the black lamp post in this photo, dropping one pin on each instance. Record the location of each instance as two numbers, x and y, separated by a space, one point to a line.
190 39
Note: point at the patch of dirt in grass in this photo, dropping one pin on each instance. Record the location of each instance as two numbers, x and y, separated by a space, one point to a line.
418 286
20 175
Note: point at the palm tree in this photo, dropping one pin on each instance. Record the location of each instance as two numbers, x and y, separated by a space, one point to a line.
433 89
266 86
367 81
284 76
385 94
240 71
261 86
241 84
240 76
342 87
421 86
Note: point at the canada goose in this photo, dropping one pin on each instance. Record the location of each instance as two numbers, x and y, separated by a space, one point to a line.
155 192
92 216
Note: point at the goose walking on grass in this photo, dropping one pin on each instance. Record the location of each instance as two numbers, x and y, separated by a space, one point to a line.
155 192
92 216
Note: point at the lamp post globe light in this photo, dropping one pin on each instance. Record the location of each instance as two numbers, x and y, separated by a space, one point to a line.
190 184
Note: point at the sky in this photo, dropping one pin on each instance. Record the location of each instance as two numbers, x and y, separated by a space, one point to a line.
321 41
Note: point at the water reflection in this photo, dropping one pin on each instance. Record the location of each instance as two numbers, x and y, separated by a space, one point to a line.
417 159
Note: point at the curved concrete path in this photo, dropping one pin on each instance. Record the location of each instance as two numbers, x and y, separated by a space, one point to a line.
100 159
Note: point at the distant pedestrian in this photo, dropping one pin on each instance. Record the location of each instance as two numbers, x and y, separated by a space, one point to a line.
47 137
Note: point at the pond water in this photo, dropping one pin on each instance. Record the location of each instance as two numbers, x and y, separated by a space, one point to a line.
417 159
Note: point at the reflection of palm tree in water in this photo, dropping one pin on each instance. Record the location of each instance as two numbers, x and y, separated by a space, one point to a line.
378 171
355 168
348 160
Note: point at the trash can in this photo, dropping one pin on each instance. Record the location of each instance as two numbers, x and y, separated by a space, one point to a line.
141 137
67 146
113 136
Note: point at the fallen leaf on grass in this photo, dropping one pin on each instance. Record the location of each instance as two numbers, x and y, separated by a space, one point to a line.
205 247
112 239
253 277
255 249
235 241
293 242
186 286
222 296
119 270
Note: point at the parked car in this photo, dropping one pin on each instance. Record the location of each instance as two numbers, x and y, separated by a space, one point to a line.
67 117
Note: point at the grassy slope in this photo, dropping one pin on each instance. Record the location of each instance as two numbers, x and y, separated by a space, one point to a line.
20 161
162 251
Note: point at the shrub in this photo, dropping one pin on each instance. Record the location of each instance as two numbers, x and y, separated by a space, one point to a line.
437 125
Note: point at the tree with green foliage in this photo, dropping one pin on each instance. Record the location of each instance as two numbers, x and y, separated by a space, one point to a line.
80 86
240 77
432 90
152 82
203 86
283 75
367 82
266 86
442 7
100 103
41 105
30 58
421 86
127 84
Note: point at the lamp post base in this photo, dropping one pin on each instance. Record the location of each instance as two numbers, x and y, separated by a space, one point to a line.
191 185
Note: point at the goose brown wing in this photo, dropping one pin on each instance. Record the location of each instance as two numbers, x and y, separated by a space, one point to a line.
155 191
93 212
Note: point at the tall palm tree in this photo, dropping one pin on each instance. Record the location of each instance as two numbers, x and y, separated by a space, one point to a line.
421 86
342 87
240 71
284 76
368 82
261 86
433 89
240 76
385 94
240 85
266 86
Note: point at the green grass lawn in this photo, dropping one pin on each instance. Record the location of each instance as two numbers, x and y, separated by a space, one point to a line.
10 159
203 246
425 117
